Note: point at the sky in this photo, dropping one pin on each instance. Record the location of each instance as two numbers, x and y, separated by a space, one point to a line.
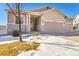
69 9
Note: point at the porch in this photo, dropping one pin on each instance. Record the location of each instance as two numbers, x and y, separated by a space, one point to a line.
35 22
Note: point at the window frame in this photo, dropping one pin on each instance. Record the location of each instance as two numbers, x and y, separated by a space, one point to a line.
22 20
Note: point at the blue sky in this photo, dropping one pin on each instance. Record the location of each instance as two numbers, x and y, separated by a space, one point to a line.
69 9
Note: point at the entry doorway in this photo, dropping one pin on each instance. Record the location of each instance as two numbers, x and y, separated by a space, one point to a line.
34 22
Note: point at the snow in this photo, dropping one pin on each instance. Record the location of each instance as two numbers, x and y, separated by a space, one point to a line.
53 46
7 42
11 38
55 50
28 53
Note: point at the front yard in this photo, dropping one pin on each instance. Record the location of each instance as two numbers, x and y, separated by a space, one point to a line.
14 48
42 45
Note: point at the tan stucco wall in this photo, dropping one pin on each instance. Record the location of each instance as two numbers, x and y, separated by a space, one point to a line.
52 16
10 17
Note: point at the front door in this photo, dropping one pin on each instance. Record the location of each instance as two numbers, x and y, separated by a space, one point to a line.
34 23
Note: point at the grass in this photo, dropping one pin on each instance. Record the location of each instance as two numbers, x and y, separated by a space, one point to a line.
14 48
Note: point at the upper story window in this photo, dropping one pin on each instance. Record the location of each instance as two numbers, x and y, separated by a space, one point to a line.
22 19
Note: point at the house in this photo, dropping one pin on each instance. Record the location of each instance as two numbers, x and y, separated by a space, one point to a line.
3 29
76 23
44 20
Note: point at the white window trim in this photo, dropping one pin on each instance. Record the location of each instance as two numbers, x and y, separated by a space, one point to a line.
23 20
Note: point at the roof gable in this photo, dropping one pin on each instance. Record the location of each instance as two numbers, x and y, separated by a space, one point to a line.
42 9
51 10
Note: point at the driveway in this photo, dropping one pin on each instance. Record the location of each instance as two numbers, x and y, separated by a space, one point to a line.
53 46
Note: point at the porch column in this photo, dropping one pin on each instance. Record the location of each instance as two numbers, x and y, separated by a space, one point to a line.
28 23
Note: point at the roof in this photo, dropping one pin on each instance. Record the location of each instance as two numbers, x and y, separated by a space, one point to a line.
46 9
53 9
70 20
39 11
35 13
15 11
42 9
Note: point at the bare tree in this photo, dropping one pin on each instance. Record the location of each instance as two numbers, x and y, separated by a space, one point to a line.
16 9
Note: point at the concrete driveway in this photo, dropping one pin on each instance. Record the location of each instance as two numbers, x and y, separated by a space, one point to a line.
53 46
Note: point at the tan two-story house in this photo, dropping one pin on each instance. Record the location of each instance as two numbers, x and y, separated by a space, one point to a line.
44 20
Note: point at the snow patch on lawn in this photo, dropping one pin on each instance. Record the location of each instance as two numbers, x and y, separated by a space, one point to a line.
7 42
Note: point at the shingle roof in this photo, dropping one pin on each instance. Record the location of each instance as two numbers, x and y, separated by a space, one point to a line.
70 20
42 9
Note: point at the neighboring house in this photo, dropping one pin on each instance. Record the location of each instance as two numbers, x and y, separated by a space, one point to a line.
45 20
3 29
76 23
69 25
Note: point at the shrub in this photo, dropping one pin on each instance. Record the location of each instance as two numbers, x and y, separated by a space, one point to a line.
16 33
74 28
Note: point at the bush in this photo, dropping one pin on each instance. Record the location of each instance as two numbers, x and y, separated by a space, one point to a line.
74 28
15 33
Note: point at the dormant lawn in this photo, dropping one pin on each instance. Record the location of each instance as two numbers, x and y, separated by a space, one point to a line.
14 48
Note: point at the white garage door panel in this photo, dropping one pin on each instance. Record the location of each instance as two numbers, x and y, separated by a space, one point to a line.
53 27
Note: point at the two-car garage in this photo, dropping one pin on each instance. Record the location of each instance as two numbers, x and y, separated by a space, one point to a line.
53 27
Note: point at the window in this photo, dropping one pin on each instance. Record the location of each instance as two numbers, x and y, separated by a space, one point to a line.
22 19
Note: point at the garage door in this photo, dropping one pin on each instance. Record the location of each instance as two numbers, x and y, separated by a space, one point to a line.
53 27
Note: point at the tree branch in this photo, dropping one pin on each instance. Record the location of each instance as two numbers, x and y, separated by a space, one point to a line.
11 9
